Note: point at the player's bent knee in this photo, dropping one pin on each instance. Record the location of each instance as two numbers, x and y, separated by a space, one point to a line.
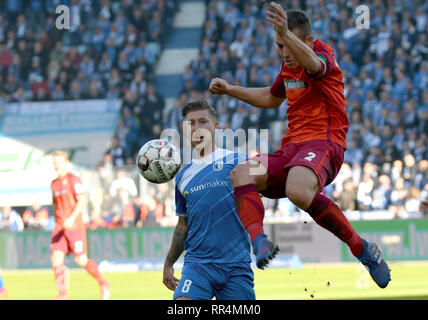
57 258
241 175
300 196
81 260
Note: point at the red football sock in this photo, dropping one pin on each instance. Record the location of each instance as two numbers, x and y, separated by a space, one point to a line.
329 216
92 268
250 209
59 273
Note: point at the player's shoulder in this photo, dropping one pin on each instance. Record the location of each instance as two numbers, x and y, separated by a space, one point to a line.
322 46
179 175
325 52
74 177
236 157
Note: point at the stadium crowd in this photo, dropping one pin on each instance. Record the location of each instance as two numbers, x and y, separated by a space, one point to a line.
111 50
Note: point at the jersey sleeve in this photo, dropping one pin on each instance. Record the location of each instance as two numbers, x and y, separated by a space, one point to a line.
180 202
78 187
277 89
328 63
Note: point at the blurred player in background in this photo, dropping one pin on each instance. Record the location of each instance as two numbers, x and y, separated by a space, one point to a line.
313 148
69 234
3 291
217 261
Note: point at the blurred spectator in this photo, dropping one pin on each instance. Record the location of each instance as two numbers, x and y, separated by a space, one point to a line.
364 194
5 56
398 198
122 182
348 197
96 220
421 177
36 217
117 151
413 200
151 213
132 213
397 170
120 209
424 201
410 170
106 172
382 194
10 220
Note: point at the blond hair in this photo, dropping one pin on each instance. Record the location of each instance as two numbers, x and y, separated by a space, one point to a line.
60 153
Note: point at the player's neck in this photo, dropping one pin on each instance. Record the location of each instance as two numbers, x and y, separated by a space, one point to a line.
62 174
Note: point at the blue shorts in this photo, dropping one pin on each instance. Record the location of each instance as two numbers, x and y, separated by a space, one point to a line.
203 281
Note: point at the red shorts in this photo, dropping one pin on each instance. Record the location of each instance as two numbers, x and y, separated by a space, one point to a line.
324 158
69 241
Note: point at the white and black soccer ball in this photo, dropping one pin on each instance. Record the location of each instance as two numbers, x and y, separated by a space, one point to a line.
158 161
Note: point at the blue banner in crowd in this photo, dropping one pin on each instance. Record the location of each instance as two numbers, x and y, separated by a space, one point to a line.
36 118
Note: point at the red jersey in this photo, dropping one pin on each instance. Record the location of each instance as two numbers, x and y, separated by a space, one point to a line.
316 103
65 191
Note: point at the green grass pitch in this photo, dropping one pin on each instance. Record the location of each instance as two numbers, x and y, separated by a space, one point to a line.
311 282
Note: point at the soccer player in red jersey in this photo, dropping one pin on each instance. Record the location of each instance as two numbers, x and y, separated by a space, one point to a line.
69 234
312 150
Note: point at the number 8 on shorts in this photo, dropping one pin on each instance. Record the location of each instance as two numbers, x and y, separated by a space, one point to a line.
186 286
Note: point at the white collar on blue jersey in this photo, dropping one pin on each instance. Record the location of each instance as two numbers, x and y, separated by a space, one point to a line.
217 154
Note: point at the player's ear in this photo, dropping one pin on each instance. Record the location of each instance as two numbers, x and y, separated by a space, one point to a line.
310 40
216 125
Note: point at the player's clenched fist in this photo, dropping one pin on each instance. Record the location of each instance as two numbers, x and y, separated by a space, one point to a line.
219 86
278 18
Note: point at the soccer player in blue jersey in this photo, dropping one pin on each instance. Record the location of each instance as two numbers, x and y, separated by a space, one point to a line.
217 261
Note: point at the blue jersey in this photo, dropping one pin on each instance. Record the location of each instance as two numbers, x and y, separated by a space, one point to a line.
204 195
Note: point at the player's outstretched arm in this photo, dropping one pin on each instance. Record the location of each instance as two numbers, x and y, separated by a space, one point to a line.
258 97
304 54
176 249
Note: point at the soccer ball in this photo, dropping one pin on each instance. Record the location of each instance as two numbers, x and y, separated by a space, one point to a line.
158 161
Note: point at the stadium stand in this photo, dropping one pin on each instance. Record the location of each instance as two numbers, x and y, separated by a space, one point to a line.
119 49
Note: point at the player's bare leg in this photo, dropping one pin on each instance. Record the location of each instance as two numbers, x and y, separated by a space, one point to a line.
90 265
183 298
60 273
248 180
302 190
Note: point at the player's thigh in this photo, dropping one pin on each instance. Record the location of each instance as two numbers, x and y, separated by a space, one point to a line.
276 176
59 246
194 283
239 286
77 242
301 179
322 160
